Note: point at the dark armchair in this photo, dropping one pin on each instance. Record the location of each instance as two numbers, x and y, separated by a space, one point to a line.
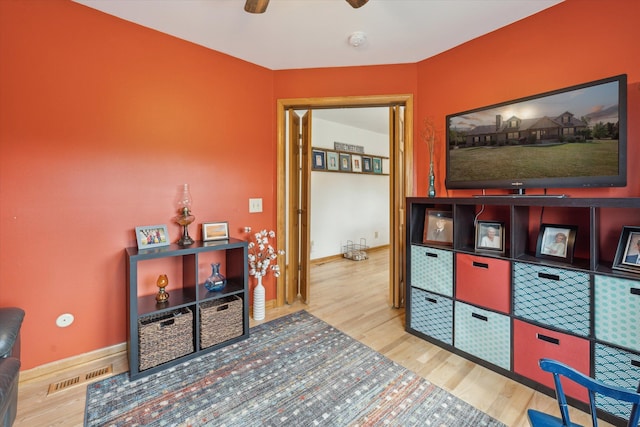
10 323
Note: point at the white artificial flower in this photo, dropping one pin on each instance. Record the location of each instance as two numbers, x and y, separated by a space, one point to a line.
262 255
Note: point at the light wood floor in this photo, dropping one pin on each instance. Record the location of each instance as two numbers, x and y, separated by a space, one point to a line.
353 297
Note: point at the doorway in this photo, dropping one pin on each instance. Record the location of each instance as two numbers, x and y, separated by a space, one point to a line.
401 180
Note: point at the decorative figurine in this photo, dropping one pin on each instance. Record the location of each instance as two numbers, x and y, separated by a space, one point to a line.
185 218
162 296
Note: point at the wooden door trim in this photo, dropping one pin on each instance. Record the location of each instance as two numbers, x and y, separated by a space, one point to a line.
281 164
293 264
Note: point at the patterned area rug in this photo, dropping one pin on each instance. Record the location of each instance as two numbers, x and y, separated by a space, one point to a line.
293 371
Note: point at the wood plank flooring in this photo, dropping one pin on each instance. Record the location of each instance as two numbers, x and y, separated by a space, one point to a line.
353 297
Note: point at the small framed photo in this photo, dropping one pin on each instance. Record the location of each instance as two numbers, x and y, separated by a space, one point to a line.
152 236
319 160
628 253
345 162
556 242
333 161
366 164
438 227
490 236
356 163
377 164
215 231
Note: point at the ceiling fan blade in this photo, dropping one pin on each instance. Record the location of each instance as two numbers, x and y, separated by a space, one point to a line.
357 3
256 6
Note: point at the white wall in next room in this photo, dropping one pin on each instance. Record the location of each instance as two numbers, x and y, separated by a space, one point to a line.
349 206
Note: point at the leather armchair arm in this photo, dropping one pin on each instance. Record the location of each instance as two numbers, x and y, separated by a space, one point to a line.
10 323
9 376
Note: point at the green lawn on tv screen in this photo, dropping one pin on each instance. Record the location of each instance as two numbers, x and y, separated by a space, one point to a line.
535 161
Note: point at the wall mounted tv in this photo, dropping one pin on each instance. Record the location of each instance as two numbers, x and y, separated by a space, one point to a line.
568 138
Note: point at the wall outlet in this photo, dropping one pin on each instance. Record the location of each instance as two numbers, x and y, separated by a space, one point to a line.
255 205
64 320
375 235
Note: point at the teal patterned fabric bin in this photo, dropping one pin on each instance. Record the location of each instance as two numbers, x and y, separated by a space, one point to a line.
617 311
483 333
432 269
552 296
432 315
620 367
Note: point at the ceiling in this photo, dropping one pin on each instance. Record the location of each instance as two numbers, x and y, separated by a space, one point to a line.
373 119
295 34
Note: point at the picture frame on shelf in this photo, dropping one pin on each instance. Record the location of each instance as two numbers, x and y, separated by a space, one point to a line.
377 165
152 236
366 164
628 252
215 231
333 161
356 163
345 162
556 242
438 227
490 237
319 160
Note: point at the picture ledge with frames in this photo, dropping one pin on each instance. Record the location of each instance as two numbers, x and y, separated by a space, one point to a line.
328 160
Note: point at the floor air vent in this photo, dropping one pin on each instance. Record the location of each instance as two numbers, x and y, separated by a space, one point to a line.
70 382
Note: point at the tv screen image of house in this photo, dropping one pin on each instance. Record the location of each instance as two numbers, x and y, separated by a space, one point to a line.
567 138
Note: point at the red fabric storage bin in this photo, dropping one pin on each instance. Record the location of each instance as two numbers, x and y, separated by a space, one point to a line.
532 343
484 281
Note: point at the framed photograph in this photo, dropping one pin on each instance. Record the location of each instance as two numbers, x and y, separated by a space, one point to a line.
152 236
319 160
555 242
333 161
438 227
366 164
356 163
215 231
377 164
628 253
490 236
345 162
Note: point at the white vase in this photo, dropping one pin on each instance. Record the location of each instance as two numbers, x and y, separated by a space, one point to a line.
258 300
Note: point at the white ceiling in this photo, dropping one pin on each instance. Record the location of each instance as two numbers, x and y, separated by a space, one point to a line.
314 33
373 119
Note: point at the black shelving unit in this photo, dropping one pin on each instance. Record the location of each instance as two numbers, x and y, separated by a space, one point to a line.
582 311
187 292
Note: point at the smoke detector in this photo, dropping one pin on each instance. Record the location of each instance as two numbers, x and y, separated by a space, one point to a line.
357 38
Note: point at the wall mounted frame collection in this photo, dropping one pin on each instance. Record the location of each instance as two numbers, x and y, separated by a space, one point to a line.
326 160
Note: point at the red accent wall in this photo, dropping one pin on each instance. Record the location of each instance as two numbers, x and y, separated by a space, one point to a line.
346 81
574 42
102 120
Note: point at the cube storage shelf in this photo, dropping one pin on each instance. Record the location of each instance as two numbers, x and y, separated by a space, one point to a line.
506 310
194 320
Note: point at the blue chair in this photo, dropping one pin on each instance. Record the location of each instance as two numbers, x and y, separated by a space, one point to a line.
540 419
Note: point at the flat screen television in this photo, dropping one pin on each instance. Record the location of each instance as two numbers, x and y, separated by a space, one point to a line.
567 138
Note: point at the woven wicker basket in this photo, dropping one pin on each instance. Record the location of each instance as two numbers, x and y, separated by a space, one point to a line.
164 337
220 320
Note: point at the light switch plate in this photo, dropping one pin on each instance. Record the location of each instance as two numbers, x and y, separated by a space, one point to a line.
255 205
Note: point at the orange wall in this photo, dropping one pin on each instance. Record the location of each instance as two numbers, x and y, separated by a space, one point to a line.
101 120
346 81
574 42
